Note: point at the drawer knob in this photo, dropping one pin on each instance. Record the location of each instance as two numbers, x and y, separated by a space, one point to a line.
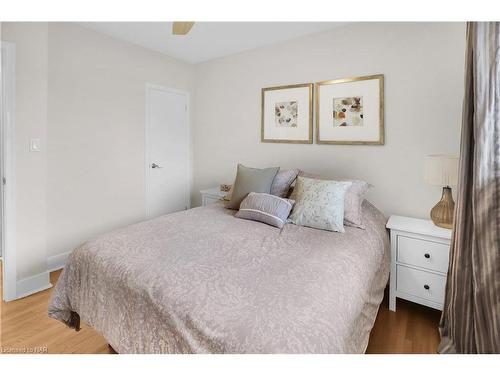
427 255
426 287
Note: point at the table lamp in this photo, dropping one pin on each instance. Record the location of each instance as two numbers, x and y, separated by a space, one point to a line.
442 170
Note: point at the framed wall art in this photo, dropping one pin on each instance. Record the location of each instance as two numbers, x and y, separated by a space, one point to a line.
287 114
350 111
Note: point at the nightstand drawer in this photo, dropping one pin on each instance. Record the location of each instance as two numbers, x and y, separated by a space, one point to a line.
421 284
421 253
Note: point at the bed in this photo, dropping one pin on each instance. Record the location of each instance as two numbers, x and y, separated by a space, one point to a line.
203 281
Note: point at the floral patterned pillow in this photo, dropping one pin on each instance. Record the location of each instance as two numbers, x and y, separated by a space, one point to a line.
319 203
353 201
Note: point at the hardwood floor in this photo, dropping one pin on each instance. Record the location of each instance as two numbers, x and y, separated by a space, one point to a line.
25 325
412 329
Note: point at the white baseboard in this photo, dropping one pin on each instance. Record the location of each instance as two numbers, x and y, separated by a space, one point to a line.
37 283
33 284
57 262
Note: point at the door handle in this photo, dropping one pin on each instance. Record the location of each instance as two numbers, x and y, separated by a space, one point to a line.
154 165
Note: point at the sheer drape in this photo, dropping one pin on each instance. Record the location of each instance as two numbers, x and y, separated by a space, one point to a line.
471 317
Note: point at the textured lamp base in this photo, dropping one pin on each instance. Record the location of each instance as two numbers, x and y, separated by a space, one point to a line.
442 212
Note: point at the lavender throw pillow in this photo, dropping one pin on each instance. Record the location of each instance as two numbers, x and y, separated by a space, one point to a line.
354 197
266 208
283 181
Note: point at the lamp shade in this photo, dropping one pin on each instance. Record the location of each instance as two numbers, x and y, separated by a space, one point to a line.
441 170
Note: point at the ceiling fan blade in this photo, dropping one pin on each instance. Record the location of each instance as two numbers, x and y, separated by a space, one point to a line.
181 28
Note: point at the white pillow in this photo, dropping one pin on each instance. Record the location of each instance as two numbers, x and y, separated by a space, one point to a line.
319 203
354 197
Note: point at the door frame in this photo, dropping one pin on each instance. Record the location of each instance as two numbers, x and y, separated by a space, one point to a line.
7 166
189 167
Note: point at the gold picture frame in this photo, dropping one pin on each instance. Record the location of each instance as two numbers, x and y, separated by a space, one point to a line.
381 128
310 94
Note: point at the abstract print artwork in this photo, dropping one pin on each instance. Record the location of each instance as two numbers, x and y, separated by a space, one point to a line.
286 114
348 111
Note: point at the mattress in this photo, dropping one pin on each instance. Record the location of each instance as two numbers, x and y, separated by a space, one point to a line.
204 281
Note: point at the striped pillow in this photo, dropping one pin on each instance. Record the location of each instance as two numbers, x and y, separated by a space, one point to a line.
266 208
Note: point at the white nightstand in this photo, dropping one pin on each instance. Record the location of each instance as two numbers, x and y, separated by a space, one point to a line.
211 195
419 261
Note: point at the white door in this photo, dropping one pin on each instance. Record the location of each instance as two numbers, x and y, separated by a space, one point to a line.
167 151
7 170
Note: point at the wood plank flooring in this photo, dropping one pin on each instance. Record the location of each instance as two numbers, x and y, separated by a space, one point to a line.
412 329
25 325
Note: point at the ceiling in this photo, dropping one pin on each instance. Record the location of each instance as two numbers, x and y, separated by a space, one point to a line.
207 40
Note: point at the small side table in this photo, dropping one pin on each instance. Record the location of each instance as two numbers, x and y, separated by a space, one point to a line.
212 195
419 261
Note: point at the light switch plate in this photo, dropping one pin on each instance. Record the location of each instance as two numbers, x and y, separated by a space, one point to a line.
35 145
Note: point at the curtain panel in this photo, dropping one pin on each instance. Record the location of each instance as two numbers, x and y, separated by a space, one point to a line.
470 322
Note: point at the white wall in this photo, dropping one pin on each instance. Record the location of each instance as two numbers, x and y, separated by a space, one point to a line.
83 94
30 167
423 67
96 131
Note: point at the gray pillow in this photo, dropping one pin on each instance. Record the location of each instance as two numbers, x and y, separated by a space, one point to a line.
319 203
251 180
266 208
283 181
